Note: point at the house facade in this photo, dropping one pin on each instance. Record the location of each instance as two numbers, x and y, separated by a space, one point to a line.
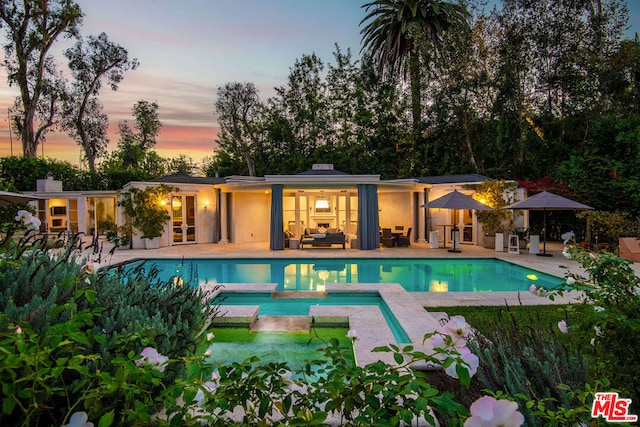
241 209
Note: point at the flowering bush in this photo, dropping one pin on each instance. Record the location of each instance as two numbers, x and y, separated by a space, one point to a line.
612 289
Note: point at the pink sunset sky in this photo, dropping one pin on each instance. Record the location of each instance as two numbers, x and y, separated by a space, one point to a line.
187 49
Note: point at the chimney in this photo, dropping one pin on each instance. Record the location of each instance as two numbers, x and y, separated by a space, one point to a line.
322 167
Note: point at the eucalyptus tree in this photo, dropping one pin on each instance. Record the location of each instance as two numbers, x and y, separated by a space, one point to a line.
91 63
238 109
304 100
49 108
397 33
133 147
32 28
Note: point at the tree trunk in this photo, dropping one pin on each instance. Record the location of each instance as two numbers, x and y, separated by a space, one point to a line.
29 146
416 93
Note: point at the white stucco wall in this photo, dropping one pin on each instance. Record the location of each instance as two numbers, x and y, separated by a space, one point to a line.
250 217
395 209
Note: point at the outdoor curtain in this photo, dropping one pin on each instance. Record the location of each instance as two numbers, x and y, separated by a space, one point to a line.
368 223
277 220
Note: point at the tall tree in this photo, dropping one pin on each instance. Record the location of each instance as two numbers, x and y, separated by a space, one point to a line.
32 27
397 32
50 106
134 147
238 110
90 64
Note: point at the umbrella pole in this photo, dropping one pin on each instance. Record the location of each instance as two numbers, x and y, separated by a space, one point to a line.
454 230
544 234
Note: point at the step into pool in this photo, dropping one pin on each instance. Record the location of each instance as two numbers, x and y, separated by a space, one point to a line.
413 274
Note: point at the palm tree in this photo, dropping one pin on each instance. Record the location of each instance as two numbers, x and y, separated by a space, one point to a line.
397 31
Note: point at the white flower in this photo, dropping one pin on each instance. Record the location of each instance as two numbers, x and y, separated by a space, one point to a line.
150 356
598 330
571 281
27 219
352 334
208 387
593 342
208 352
470 360
88 268
562 325
567 254
457 327
490 412
210 336
79 419
598 309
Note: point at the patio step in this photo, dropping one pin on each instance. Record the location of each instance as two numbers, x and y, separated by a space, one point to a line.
281 324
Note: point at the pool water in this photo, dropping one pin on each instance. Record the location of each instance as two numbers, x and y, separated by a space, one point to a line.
413 274
238 344
300 306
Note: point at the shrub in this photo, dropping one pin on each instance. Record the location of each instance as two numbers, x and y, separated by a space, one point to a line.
62 306
611 288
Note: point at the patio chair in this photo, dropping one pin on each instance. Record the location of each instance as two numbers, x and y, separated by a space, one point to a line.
387 239
405 240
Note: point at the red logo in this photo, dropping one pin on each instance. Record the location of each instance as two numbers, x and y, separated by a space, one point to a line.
612 408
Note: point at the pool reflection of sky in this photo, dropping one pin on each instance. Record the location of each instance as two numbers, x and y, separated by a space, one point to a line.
414 275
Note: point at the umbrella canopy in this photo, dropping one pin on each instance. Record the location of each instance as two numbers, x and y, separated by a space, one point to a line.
7 198
547 201
456 200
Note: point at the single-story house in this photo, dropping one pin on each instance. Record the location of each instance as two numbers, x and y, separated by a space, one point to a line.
242 209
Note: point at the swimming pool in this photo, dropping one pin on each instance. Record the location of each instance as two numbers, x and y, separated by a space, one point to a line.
413 274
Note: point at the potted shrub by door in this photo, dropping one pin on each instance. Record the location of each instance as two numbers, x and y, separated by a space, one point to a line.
147 212
498 220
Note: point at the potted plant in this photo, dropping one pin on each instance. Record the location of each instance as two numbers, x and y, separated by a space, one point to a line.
498 220
147 212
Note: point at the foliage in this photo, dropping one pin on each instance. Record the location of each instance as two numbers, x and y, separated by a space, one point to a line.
497 194
90 64
32 28
70 335
610 288
238 111
145 208
609 226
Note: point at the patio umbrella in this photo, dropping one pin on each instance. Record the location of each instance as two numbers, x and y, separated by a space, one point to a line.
547 201
7 198
456 201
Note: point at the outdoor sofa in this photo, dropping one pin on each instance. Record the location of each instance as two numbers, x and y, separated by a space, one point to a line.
329 236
